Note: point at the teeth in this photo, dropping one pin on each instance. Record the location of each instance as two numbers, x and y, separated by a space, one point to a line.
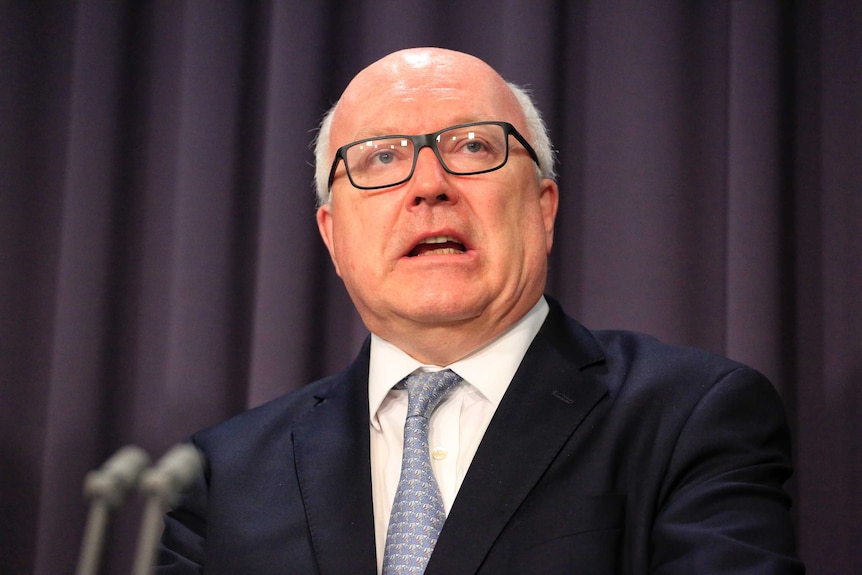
439 240
441 251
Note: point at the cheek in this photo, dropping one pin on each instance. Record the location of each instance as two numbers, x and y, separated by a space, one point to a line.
522 222
526 247
347 254
358 239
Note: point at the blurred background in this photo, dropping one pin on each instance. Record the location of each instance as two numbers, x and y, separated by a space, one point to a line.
160 267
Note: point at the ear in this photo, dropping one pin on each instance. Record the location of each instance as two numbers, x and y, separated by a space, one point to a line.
549 200
325 223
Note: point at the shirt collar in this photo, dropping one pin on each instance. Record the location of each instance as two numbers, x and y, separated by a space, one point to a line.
489 369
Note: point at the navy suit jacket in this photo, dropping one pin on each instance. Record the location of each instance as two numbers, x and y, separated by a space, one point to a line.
609 453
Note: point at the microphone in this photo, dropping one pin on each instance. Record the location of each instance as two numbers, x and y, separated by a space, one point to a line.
107 488
162 485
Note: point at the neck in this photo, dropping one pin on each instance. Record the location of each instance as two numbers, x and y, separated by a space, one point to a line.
445 343
442 346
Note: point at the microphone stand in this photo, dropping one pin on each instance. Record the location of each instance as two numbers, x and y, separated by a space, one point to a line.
161 485
107 488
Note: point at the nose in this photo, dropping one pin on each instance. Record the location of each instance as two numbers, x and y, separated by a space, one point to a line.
431 183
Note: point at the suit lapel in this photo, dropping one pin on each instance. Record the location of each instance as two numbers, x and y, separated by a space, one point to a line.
547 400
331 447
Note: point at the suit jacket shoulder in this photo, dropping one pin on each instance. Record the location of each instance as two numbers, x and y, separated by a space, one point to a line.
612 452
287 487
274 416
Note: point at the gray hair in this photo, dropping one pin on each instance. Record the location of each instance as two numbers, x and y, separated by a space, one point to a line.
536 128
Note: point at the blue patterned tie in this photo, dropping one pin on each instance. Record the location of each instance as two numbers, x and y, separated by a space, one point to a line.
418 513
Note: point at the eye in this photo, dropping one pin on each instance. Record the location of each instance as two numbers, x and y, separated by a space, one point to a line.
386 152
379 154
383 157
474 147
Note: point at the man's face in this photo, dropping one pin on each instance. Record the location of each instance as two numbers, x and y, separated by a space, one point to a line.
500 223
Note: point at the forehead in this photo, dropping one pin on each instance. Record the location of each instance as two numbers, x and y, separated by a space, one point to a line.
419 97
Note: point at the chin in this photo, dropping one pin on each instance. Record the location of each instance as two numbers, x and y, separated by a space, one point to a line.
442 308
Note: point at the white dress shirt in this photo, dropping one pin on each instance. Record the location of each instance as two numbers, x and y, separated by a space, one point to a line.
458 423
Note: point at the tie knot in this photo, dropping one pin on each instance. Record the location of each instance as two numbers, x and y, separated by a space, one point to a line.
426 390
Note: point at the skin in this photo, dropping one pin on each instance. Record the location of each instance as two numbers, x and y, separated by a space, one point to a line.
438 308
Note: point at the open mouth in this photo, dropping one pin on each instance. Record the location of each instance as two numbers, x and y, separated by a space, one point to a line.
437 245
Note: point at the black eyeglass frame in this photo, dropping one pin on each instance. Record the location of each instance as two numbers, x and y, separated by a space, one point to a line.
430 141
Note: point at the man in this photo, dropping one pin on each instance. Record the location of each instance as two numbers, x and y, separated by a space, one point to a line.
558 450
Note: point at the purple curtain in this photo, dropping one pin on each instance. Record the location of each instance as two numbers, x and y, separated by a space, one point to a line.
160 268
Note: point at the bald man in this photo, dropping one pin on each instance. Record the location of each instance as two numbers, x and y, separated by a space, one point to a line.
555 450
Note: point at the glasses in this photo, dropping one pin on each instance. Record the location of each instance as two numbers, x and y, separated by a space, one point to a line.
463 150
